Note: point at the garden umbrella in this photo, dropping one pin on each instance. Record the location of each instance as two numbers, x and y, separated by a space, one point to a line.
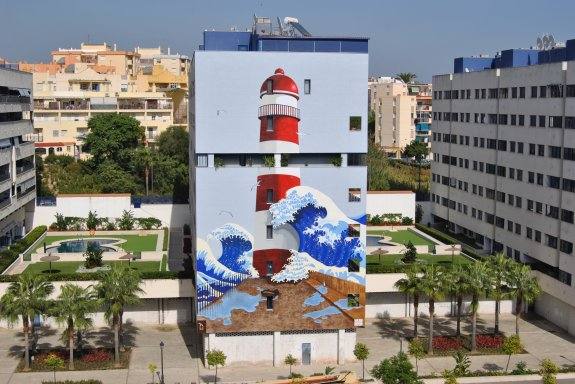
379 252
128 256
50 258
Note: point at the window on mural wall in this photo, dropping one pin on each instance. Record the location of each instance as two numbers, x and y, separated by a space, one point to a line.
270 196
270 268
354 195
269 232
353 300
353 230
355 123
270 86
270 125
307 86
353 265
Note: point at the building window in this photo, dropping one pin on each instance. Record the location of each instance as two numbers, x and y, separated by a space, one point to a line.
270 86
353 230
269 303
307 86
355 123
270 124
352 265
566 246
269 268
354 195
269 232
353 300
270 196
533 92
202 160
521 92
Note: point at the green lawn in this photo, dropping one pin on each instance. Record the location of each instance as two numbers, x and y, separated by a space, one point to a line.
72 266
430 259
402 236
134 243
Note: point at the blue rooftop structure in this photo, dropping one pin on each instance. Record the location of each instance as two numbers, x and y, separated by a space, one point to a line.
513 58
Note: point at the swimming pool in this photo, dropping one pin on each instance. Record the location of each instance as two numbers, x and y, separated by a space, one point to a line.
80 245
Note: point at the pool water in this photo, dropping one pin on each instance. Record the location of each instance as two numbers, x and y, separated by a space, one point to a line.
80 245
372 241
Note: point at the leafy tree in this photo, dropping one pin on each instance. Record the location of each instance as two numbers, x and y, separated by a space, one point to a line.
290 360
54 362
144 159
61 223
454 285
149 223
216 358
126 221
412 285
406 77
152 368
93 256
475 284
361 352
417 350
548 371
410 254
72 309
112 136
114 179
174 142
499 266
511 346
93 221
462 363
24 299
524 288
432 278
418 151
396 370
418 213
117 288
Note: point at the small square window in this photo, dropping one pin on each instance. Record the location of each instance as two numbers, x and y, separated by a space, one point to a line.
270 87
269 303
355 123
354 195
270 124
353 300
307 86
270 196
269 232
269 268
353 230
353 265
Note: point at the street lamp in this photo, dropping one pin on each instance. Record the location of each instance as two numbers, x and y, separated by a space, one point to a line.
162 362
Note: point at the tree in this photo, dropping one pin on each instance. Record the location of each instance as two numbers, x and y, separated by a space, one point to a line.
114 179
548 371
112 136
417 350
432 288
93 221
454 286
410 254
511 346
117 288
475 284
462 363
418 213
152 368
412 285
499 266
72 309
418 151
216 358
126 221
524 288
24 299
54 362
144 158
396 370
93 256
406 77
290 360
174 142
361 352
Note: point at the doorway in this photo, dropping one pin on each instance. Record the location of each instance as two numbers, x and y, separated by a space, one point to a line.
306 353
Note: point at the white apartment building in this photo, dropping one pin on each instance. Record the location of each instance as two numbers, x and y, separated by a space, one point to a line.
503 170
17 174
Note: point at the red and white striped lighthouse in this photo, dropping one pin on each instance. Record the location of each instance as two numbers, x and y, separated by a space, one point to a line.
279 120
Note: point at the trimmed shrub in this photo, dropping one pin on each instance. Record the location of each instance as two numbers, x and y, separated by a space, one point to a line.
9 255
149 275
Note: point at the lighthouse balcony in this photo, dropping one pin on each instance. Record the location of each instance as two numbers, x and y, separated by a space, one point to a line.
278 110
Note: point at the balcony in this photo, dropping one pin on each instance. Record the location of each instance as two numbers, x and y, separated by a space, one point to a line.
50 106
75 105
14 99
34 137
159 104
132 104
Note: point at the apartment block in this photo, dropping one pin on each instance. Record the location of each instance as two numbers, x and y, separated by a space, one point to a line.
278 192
17 170
503 170
147 84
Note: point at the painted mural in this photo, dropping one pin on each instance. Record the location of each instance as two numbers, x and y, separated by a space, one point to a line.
303 267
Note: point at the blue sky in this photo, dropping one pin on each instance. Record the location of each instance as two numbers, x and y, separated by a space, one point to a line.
421 36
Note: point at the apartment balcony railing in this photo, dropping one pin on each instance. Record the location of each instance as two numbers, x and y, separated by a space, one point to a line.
24 168
156 104
75 106
15 99
21 194
100 107
52 106
132 105
6 202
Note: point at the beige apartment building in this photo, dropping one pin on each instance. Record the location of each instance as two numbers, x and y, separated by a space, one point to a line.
395 113
147 84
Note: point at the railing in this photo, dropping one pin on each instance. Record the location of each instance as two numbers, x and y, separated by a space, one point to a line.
6 202
278 110
158 105
75 107
21 194
34 137
22 169
103 106
50 107
15 99
46 201
132 105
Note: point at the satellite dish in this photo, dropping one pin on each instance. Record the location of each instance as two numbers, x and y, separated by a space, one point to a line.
545 42
551 41
539 43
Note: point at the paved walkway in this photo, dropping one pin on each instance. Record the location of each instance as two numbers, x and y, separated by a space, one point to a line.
181 363
176 256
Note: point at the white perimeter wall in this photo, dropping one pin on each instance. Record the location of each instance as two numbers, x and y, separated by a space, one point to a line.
381 202
556 311
171 215
265 348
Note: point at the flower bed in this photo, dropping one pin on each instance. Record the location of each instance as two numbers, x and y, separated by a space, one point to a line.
447 343
487 344
489 341
84 360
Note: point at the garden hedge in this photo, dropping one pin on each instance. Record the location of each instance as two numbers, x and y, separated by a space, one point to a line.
9 255
447 239
150 275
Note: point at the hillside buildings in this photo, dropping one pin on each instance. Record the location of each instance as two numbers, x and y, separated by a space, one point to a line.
147 84
503 170
17 174
401 111
279 137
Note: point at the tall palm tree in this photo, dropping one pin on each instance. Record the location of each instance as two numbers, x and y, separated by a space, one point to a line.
499 266
117 288
406 77
476 281
453 285
24 299
144 158
412 285
524 288
432 277
72 308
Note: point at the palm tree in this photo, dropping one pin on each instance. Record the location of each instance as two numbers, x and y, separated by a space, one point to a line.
24 299
145 158
412 285
117 288
453 285
475 283
432 278
499 266
406 77
524 288
72 308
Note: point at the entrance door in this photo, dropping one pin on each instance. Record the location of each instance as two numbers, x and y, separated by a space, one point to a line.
306 353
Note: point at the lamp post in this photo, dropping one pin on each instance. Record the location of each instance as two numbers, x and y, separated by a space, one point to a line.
162 362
